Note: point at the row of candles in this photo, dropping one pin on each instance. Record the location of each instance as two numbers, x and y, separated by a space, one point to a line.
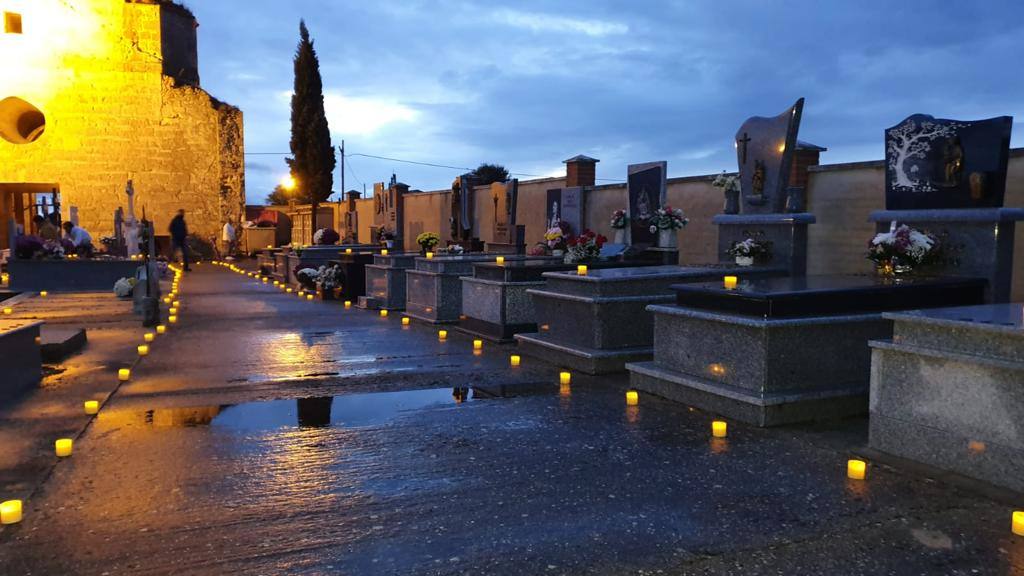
856 469
11 511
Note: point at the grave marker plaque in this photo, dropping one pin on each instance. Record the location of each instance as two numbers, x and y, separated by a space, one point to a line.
764 153
647 184
935 163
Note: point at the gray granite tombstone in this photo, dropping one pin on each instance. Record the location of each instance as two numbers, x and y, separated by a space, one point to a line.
389 208
948 177
647 188
764 153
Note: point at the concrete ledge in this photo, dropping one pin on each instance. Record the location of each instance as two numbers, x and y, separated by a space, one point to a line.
588 360
59 343
20 357
69 275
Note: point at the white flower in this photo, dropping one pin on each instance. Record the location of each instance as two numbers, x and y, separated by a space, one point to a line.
654 229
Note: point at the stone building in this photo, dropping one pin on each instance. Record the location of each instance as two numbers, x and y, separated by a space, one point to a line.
95 92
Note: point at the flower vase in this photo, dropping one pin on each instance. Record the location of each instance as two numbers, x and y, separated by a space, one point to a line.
732 202
389 243
667 238
744 261
620 235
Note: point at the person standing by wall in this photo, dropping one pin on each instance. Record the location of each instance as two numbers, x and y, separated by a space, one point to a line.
179 238
228 237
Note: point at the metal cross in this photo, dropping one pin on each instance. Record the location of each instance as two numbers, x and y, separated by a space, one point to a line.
743 141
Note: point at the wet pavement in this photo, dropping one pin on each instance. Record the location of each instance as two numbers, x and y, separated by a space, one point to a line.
270 435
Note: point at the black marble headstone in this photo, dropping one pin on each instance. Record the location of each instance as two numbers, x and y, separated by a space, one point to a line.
935 163
764 152
647 185
565 205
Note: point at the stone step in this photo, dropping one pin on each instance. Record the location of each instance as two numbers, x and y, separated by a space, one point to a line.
57 343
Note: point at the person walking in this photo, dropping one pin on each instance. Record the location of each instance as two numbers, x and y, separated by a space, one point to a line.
228 237
179 236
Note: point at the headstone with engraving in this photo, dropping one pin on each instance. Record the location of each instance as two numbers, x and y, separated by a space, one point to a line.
764 153
565 205
504 195
948 177
462 210
647 188
388 209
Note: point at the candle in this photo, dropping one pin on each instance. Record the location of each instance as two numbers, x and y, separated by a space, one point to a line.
63 447
383 313
632 397
172 311
430 255
856 469
478 344
148 337
302 293
500 260
348 304
405 321
91 406
44 294
730 282
124 374
564 378
719 429
8 311
581 270
309 296
514 360
172 319
161 329
289 290
442 334
1018 522
167 300
384 252
10 512
348 250
143 349
265 280
176 304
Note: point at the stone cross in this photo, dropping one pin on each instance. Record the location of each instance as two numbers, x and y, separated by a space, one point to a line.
743 142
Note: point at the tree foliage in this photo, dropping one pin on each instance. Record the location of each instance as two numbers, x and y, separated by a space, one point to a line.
488 173
279 197
312 162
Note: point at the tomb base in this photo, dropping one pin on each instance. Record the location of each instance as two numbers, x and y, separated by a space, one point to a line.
786 232
20 357
385 282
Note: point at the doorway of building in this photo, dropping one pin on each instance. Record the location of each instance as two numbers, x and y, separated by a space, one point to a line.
20 202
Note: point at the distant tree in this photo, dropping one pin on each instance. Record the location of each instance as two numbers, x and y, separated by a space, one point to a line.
488 173
279 197
312 162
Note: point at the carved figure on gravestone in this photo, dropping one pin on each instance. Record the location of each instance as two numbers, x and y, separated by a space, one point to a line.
555 217
131 225
643 205
978 183
757 183
953 156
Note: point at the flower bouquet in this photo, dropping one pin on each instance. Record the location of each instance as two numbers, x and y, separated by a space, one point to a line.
427 241
329 281
123 287
665 222
307 277
585 247
902 249
555 238
730 185
326 237
619 223
748 250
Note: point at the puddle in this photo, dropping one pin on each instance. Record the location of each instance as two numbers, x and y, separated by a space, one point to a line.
349 411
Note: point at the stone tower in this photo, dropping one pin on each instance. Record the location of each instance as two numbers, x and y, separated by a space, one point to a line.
95 92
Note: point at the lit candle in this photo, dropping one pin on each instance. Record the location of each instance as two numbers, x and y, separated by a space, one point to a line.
124 374
167 300
430 255
348 250
10 512
265 280
348 304
442 334
161 329
302 293
91 406
176 304
289 290
581 270
1018 522
730 282
564 378
632 397
149 337
309 296
500 260
172 319
405 321
8 311
856 469
143 349
44 294
172 311
478 344
63 447
514 360
719 429
383 313
384 252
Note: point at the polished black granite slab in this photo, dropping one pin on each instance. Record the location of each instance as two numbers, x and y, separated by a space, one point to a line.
533 270
354 267
807 296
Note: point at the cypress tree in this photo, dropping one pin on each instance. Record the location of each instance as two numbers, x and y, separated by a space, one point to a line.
312 162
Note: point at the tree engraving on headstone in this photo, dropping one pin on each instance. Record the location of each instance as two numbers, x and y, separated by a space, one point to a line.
935 163
764 153
647 185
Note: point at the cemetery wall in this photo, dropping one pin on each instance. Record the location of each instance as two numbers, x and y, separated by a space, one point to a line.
95 71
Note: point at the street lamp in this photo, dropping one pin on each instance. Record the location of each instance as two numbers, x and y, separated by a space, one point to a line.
288 183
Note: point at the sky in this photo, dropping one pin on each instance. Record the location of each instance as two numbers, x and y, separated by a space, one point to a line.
528 84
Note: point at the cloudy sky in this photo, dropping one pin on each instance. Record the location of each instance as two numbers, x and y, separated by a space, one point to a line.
529 84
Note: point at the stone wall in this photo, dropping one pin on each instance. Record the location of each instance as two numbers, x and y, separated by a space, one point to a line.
111 114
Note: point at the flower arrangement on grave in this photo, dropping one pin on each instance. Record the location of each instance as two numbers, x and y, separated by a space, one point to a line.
455 249
539 249
746 251
326 237
585 247
668 218
329 281
730 185
123 287
902 249
620 220
55 249
555 238
427 241
26 246
307 277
